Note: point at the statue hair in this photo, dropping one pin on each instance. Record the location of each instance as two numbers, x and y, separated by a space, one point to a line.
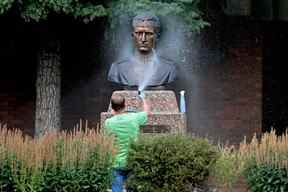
152 19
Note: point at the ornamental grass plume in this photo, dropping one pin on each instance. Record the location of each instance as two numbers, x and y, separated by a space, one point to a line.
270 150
61 148
80 159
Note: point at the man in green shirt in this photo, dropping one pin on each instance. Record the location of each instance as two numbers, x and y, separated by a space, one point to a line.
125 127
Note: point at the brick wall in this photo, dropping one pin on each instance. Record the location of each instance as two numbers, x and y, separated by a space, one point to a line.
17 114
17 75
17 99
225 103
232 97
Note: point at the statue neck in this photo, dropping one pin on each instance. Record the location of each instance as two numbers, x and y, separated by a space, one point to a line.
143 58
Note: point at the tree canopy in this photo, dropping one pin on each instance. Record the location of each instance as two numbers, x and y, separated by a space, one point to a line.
88 10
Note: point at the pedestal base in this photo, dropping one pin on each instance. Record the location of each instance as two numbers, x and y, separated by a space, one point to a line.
165 116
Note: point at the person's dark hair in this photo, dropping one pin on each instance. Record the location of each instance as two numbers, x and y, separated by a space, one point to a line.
117 102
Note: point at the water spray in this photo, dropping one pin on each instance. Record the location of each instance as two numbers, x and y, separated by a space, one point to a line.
150 70
141 93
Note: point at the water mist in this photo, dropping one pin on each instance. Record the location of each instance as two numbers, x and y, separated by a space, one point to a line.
149 71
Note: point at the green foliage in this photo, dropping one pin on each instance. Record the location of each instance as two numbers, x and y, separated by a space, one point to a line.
266 178
169 163
25 179
5 5
91 174
188 10
6 179
36 10
228 168
40 9
75 179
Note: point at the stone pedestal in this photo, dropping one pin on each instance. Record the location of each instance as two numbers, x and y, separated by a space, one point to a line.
165 116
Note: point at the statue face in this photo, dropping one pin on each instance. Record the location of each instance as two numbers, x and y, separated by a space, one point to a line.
144 37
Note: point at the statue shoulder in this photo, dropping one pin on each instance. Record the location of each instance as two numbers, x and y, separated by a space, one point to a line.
118 70
167 61
121 62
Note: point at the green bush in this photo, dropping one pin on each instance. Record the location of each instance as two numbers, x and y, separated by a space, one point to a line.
265 178
169 163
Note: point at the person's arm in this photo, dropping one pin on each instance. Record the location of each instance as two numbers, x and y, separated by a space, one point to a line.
142 117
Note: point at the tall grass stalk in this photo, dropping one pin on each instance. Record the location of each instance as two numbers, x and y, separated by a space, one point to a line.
269 150
54 148
228 168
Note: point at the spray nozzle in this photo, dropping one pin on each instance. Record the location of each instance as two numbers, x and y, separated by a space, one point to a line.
141 94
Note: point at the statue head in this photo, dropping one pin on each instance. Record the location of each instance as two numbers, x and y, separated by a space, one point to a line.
146 29
142 68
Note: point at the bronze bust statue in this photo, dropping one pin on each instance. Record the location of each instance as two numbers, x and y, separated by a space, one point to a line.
145 68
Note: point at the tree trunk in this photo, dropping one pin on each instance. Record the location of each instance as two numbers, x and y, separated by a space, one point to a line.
48 93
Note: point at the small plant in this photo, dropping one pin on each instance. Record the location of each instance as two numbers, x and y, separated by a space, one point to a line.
169 163
266 178
6 179
228 168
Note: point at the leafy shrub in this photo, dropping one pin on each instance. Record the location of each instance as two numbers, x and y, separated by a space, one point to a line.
169 163
266 178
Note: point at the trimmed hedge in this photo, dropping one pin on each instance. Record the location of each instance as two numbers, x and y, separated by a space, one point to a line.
169 163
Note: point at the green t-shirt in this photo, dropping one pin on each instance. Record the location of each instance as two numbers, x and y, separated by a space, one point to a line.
125 128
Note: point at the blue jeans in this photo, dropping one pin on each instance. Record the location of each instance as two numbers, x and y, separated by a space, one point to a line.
119 177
